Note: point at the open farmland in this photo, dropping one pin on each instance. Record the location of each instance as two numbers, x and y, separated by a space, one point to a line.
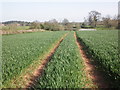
65 68
103 48
22 54
21 50
60 44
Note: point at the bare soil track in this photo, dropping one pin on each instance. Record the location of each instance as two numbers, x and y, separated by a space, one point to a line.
38 72
90 68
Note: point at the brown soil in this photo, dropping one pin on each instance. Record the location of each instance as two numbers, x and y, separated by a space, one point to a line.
90 68
38 72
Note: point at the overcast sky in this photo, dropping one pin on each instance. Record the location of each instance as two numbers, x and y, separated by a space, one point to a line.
44 10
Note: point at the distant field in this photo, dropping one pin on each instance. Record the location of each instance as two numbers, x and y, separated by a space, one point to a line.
23 53
14 28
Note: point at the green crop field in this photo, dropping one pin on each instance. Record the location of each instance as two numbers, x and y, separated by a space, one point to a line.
23 53
103 46
65 70
20 50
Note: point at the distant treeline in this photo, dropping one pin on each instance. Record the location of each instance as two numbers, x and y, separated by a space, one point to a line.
22 23
94 20
51 25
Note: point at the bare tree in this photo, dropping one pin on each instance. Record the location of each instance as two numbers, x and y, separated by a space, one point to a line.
35 25
85 21
110 22
115 21
53 21
106 21
12 26
94 16
53 25
90 20
65 22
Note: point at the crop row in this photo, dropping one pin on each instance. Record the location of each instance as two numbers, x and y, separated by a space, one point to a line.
65 69
103 47
21 50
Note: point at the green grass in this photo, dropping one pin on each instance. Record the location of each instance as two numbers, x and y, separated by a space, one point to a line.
65 69
103 46
21 50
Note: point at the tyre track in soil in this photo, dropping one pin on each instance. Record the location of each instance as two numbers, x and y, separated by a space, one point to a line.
40 70
90 68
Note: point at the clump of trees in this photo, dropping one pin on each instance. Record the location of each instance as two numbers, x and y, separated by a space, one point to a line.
94 16
70 26
12 26
94 20
35 25
54 25
51 25
109 22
